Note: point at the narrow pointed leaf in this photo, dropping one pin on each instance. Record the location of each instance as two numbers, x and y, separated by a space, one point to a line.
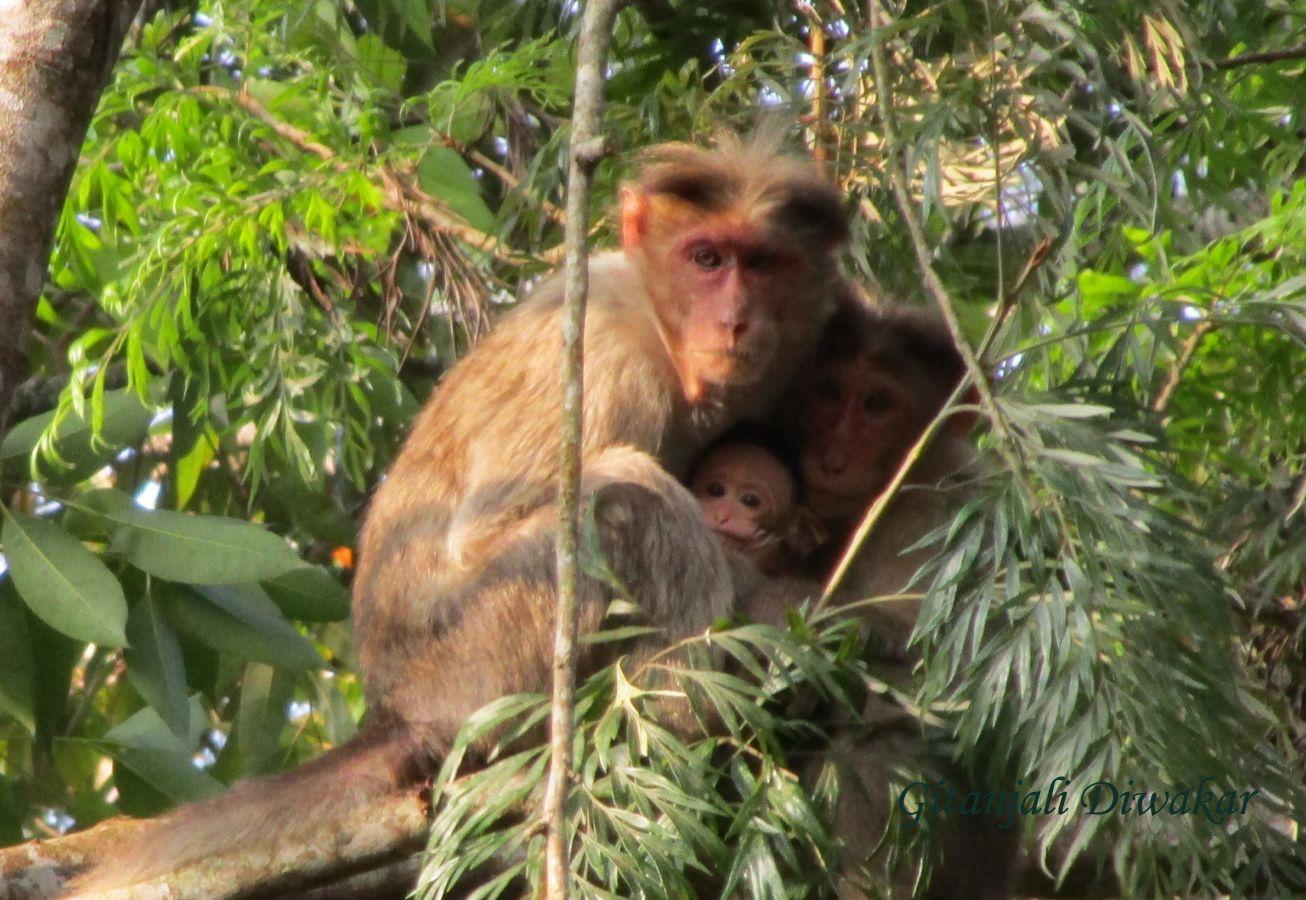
154 663
193 549
65 584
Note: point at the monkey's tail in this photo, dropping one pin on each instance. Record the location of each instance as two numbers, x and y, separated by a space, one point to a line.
273 810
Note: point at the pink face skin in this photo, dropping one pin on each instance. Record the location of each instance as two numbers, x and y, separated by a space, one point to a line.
746 494
728 290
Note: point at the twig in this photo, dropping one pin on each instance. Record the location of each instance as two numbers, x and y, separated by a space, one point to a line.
1006 443
1186 353
297 136
500 172
400 193
882 500
587 148
1267 56
1011 294
816 46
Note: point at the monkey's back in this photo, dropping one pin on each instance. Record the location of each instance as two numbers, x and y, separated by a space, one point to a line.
483 455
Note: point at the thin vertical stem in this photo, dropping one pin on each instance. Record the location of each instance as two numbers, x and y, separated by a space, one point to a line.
586 149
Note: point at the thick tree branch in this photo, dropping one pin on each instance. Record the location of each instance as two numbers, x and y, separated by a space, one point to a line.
587 148
55 59
360 848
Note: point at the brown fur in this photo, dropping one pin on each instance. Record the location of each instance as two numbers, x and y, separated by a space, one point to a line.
453 597
902 365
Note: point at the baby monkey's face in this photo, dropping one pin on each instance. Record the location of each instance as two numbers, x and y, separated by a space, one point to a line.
746 494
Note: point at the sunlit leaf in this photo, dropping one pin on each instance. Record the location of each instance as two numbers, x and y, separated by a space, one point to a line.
64 583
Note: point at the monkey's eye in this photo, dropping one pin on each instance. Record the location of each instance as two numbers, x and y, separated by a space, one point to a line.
763 260
877 403
715 489
707 258
750 500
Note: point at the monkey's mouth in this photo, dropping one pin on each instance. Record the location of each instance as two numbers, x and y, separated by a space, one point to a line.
849 479
741 542
727 365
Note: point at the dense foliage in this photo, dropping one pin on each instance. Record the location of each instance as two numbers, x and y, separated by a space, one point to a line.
289 219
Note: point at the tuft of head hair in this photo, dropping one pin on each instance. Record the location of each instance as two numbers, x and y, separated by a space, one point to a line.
896 334
754 173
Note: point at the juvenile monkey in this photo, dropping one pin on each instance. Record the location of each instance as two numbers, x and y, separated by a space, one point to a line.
716 295
882 375
750 499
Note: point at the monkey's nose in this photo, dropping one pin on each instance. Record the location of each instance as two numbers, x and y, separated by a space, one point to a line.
834 464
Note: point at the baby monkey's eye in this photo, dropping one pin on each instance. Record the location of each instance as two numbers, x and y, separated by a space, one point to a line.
715 489
752 501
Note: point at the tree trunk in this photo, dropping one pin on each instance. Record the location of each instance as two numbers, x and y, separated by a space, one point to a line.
55 59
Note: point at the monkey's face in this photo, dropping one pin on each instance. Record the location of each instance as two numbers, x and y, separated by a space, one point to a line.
857 420
745 493
728 290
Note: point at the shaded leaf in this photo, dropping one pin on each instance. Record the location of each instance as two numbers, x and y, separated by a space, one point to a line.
264 694
310 594
154 663
17 667
190 548
147 746
242 621
444 175
126 421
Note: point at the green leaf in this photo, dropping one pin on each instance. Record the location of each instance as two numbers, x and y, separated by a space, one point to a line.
309 594
17 667
150 749
189 548
64 583
126 422
154 663
384 66
1070 410
264 694
443 174
242 621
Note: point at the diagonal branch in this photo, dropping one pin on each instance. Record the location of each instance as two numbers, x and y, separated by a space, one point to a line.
399 191
1006 442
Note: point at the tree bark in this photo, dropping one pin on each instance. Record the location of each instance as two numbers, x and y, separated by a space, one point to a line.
587 148
364 852
56 57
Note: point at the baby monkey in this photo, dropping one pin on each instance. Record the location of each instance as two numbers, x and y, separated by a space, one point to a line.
750 499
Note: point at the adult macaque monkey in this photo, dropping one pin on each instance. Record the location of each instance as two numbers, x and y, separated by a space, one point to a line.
714 298
883 374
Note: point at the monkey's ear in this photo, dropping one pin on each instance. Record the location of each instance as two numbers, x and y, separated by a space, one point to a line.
634 217
805 532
